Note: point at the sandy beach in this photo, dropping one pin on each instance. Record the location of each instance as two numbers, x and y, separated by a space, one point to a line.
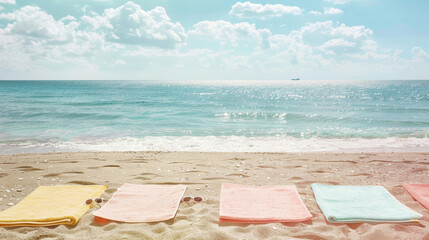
204 173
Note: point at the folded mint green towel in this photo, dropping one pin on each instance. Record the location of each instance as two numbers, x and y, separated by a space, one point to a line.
361 204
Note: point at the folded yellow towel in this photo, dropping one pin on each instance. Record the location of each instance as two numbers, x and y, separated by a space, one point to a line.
51 205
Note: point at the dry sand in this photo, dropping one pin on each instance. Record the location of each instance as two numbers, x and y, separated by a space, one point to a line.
204 173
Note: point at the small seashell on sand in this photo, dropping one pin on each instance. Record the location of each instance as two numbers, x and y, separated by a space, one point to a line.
10 204
20 179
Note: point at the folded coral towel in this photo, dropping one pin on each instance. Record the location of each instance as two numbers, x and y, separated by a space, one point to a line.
261 204
361 204
51 205
420 192
142 203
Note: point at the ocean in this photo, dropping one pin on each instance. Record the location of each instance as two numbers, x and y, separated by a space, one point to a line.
223 116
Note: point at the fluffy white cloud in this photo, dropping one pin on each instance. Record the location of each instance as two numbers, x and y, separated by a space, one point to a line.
8 1
224 32
132 25
96 22
354 31
254 10
419 54
331 11
339 42
316 13
68 18
34 23
328 28
337 2
34 39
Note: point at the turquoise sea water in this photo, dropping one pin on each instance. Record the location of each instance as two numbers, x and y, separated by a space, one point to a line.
39 116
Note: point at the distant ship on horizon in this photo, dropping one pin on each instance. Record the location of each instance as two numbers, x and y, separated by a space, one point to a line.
295 79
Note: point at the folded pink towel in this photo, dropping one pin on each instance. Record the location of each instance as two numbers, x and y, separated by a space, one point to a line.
419 192
261 204
142 203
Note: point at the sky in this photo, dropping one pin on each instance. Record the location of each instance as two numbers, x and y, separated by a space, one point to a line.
207 40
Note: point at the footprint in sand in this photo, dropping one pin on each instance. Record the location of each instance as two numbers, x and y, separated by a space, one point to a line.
115 166
142 178
361 175
83 183
178 163
194 171
146 176
136 161
149 174
69 162
28 168
105 166
237 175
60 174
3 175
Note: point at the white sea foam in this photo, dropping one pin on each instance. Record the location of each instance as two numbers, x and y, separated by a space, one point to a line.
225 144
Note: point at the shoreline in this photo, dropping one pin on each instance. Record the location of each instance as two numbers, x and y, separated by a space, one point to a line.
283 144
203 173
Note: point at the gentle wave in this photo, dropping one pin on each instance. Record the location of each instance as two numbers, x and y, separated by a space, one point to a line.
221 144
